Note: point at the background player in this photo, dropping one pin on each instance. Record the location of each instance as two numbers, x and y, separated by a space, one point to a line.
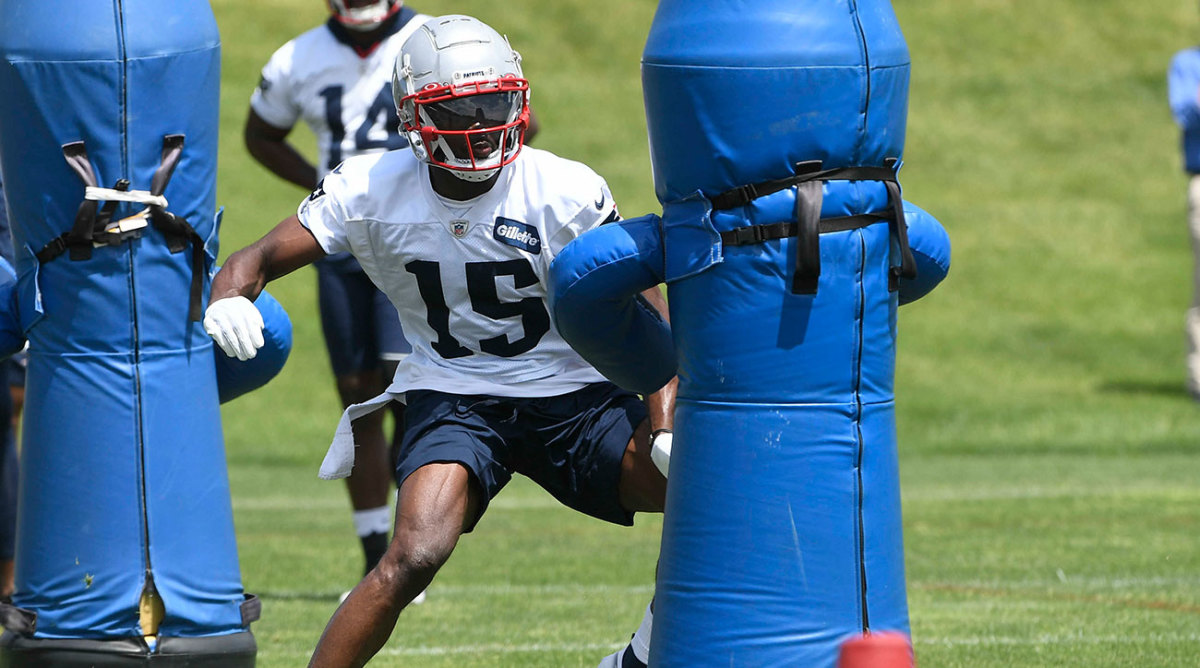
1183 92
459 233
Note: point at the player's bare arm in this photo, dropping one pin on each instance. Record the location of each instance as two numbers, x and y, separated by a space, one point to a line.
643 485
286 248
269 146
231 319
662 403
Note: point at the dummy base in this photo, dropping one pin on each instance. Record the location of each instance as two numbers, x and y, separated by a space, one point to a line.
236 650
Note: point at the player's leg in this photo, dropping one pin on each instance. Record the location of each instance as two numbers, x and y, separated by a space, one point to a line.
612 476
637 653
643 488
396 408
448 473
393 348
436 504
346 301
369 484
590 449
397 438
1193 312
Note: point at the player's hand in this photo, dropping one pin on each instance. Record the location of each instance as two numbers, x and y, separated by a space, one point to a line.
236 326
660 450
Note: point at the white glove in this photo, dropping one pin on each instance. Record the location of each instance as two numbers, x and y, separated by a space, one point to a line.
236 326
660 450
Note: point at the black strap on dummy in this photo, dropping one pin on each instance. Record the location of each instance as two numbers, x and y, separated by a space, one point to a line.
744 236
251 609
18 620
91 219
807 225
177 231
79 239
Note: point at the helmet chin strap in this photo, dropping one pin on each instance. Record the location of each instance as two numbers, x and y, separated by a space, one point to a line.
473 177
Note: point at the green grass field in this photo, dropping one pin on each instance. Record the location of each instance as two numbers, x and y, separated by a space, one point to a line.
1050 457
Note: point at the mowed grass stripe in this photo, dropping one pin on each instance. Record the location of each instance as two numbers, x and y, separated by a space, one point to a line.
452 591
1049 456
1057 639
490 649
336 502
974 641
1038 589
284 504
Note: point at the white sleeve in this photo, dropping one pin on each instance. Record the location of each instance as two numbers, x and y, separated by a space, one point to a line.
324 213
598 208
274 100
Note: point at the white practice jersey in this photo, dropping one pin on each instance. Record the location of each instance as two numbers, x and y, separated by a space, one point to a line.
468 278
345 98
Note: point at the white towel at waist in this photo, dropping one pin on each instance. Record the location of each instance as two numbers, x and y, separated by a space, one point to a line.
339 459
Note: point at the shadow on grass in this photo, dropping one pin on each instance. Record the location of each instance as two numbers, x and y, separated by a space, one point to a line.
280 595
1162 388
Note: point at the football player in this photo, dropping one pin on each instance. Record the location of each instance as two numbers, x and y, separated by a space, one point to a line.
459 232
337 78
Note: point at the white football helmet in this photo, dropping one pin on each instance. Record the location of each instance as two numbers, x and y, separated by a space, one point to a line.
461 97
363 14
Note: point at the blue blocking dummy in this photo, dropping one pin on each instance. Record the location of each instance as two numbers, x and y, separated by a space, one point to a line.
776 130
126 553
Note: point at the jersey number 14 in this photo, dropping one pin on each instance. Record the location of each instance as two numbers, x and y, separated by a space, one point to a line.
383 108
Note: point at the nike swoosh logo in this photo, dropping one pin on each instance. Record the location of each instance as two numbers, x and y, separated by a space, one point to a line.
600 202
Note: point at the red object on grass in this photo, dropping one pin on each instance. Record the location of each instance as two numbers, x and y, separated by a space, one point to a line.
877 650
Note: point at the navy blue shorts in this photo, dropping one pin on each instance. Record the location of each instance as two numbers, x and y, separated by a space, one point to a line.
571 445
360 324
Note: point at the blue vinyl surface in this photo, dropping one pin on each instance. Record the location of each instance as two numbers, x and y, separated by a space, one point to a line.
123 465
782 536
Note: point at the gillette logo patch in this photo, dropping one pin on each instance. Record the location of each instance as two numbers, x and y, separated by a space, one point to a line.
517 234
